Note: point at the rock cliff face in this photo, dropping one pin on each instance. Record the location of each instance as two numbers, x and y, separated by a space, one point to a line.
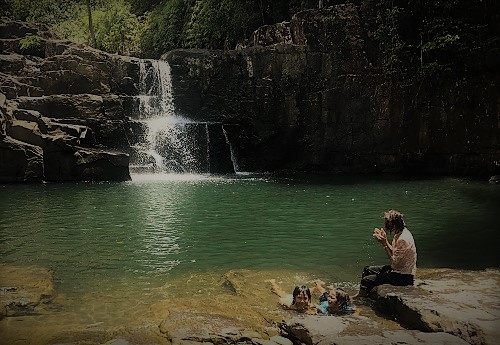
308 95
62 108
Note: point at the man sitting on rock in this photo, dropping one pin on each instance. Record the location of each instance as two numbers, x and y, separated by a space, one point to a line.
402 252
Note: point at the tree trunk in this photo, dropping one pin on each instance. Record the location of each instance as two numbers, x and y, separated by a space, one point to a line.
91 27
262 12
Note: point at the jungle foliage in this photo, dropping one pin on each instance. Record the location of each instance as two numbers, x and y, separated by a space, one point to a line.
426 36
429 36
115 28
213 24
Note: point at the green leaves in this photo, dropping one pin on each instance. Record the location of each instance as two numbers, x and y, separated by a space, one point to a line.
117 29
30 42
213 24
430 37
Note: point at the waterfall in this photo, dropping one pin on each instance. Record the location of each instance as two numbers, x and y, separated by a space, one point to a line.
208 145
156 89
166 146
231 150
168 143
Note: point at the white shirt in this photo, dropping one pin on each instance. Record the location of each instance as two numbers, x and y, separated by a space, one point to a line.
404 253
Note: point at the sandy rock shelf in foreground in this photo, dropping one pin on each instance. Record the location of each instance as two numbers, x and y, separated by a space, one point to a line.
444 307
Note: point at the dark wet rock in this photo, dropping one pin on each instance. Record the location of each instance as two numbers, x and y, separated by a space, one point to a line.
323 103
24 290
465 304
219 151
19 161
271 34
63 163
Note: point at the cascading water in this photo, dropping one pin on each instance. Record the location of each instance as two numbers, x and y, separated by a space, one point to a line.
231 150
166 144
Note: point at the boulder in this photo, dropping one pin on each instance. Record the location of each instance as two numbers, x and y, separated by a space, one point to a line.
19 161
81 106
66 163
463 303
17 29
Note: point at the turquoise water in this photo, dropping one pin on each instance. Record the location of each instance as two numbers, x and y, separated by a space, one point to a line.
170 226
127 256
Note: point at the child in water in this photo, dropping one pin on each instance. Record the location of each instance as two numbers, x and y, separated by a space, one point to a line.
299 300
335 301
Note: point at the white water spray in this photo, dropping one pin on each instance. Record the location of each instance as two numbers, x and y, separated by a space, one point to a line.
165 131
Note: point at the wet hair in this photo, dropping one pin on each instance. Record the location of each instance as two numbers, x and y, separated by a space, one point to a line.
298 290
343 299
394 220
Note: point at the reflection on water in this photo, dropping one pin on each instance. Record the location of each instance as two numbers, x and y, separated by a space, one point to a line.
123 253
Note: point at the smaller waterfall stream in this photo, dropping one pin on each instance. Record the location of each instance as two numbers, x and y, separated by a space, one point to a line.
231 150
170 143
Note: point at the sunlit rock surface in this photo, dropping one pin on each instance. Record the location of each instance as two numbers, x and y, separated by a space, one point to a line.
462 303
61 101
25 290
445 307
324 330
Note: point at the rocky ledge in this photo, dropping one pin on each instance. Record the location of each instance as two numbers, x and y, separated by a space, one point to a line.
450 307
62 108
444 307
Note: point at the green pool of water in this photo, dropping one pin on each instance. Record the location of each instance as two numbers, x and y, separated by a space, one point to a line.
175 225
129 239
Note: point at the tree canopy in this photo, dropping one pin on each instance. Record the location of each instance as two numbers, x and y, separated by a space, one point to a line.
155 26
429 35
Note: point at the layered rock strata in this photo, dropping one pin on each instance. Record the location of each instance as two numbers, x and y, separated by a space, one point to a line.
62 108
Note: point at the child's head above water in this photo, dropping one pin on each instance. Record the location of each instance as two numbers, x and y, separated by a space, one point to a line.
301 297
337 299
